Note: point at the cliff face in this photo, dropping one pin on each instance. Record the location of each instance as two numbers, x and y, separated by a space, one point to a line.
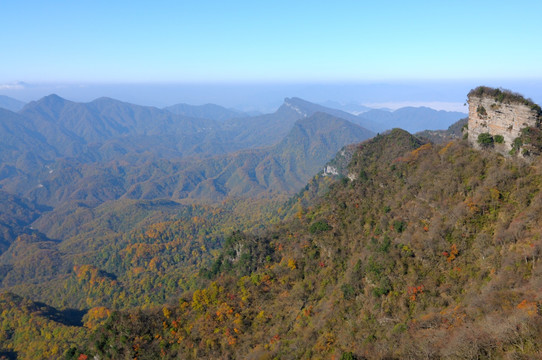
489 115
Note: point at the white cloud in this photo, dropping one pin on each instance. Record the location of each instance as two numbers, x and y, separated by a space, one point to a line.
13 86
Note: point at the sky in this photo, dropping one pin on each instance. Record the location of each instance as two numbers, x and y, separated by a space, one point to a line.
71 46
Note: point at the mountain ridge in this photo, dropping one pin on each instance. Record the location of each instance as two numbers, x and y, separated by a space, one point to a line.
206 111
403 262
10 103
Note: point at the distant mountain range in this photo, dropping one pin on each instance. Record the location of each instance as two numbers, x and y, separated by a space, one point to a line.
412 119
55 150
454 132
129 231
72 126
282 168
207 111
15 216
352 108
9 103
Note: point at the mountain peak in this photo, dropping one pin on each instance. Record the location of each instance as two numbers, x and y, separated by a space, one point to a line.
49 100
52 102
298 105
104 99
52 98
298 102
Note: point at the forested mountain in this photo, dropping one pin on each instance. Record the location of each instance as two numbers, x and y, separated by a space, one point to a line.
70 126
207 111
91 221
307 108
283 168
412 119
111 125
36 330
431 253
153 246
21 148
10 103
16 215
57 151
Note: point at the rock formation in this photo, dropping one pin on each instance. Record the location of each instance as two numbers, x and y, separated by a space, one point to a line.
496 118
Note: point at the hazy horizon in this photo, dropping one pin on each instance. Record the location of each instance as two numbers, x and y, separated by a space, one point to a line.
251 56
439 95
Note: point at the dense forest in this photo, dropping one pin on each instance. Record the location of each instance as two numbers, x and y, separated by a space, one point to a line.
401 247
432 251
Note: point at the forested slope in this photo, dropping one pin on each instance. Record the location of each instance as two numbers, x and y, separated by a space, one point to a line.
433 252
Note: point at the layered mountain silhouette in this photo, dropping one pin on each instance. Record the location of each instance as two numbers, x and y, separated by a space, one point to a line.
11 104
206 111
89 150
73 126
412 119
173 235
282 168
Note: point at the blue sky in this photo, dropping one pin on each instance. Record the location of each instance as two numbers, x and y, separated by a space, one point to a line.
96 42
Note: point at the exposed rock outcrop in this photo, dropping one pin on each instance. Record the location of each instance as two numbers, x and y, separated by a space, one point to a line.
499 113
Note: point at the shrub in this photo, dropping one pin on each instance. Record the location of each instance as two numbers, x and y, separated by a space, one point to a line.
348 356
518 142
481 110
319 226
348 291
485 139
532 136
499 139
399 226
383 287
503 96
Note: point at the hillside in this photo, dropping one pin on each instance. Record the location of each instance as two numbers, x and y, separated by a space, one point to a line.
397 248
453 132
92 209
34 330
283 168
287 166
55 150
21 147
113 255
432 252
16 215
